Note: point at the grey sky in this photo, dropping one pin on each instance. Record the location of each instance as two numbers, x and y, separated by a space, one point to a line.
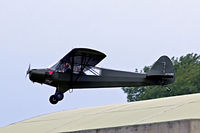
132 33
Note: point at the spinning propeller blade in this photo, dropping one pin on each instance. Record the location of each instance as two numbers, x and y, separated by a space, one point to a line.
28 71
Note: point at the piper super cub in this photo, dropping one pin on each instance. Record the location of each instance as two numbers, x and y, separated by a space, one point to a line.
77 70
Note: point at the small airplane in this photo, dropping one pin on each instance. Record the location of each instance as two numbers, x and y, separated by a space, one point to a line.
77 70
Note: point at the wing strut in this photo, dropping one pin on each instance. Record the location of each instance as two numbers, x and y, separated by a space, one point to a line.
92 71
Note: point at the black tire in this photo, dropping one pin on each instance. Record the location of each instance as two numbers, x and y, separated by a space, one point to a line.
59 95
53 99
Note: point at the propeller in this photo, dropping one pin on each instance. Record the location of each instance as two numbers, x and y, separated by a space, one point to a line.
28 71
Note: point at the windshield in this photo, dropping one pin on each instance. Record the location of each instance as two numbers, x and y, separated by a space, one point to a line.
61 67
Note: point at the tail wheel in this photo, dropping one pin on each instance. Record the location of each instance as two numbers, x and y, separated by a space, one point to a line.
53 99
168 89
59 95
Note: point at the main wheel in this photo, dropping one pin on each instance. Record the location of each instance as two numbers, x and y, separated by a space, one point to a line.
59 95
53 99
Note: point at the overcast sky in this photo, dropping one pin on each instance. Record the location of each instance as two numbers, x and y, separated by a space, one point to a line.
132 33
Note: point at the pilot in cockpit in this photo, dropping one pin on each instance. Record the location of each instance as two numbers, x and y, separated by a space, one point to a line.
66 67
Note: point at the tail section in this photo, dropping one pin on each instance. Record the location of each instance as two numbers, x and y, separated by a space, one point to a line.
162 71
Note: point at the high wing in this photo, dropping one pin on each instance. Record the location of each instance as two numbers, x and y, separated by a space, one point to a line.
81 56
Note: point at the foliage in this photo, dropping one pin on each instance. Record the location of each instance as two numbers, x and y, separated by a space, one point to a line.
187 81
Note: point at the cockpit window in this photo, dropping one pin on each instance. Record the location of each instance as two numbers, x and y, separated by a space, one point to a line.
61 67
66 67
77 69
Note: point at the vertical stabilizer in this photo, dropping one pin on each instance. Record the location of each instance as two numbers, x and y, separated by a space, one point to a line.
162 71
163 66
